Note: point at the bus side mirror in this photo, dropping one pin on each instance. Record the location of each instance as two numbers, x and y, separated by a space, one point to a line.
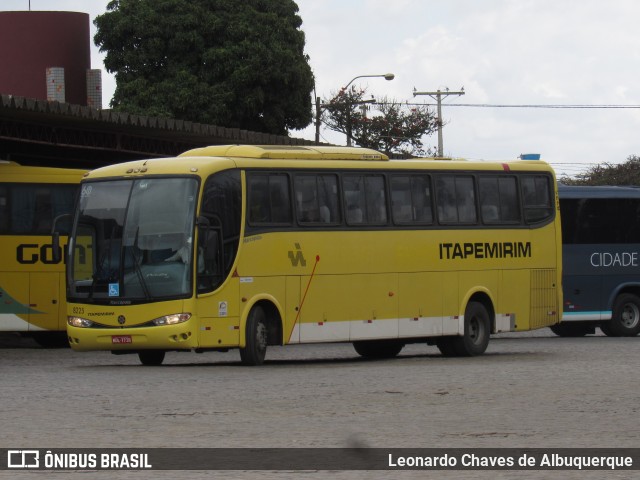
55 235
55 244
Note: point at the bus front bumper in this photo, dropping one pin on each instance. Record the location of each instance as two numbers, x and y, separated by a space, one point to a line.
162 337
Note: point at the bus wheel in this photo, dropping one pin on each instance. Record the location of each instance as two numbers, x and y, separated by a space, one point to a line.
625 321
476 331
151 357
378 348
256 343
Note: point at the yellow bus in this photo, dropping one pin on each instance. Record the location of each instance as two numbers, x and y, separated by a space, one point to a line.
246 246
32 281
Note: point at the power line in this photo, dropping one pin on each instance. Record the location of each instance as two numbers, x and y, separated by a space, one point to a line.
498 105
514 105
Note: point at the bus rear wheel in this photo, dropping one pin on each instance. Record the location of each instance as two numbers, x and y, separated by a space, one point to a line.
256 338
151 357
625 321
378 348
477 328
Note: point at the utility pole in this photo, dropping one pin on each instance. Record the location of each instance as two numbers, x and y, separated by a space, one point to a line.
318 117
437 96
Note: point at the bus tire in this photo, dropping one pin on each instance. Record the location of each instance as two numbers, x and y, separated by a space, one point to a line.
256 338
477 329
151 357
378 348
625 320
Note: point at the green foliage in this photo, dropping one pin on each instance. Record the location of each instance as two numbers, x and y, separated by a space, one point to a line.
395 129
627 173
233 63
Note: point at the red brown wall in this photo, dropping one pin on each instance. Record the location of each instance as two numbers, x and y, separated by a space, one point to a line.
32 41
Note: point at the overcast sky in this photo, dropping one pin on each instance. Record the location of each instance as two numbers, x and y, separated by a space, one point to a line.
503 52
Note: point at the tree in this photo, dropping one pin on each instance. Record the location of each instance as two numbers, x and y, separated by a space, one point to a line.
224 62
627 173
394 130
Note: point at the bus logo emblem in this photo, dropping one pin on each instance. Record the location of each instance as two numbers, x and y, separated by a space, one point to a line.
297 258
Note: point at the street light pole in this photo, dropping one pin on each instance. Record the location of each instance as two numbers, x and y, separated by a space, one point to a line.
386 76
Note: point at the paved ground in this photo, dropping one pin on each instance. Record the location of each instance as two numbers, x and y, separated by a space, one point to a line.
528 390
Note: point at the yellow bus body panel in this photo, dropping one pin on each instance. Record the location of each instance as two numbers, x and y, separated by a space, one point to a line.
341 285
32 285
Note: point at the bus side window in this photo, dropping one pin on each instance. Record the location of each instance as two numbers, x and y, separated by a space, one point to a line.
23 204
509 208
401 204
365 199
219 230
421 199
376 199
269 201
307 208
4 210
279 197
455 197
465 192
498 199
328 198
354 199
411 199
316 198
209 258
537 200
258 187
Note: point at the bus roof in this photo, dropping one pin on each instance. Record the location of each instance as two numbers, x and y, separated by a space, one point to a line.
591 191
206 160
14 172
286 152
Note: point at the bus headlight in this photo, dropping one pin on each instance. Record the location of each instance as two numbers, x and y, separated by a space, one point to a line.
79 322
172 319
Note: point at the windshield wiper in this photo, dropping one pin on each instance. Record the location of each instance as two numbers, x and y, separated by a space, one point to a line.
104 254
137 260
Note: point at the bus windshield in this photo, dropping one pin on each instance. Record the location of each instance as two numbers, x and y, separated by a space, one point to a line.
132 240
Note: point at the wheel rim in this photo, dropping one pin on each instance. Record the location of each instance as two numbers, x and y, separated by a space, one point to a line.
261 337
475 330
630 315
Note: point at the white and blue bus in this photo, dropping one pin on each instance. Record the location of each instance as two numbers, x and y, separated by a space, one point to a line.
601 260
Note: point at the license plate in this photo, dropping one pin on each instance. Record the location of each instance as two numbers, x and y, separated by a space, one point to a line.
119 339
